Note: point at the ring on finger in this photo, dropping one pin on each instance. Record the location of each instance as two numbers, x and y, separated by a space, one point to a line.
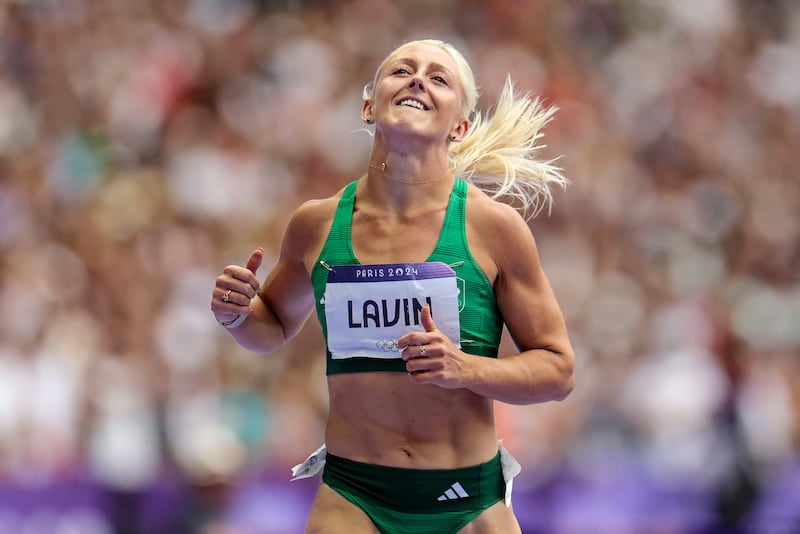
422 351
227 296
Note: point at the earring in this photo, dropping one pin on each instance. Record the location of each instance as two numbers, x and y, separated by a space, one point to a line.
452 137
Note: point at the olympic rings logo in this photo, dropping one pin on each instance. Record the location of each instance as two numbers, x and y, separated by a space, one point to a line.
388 345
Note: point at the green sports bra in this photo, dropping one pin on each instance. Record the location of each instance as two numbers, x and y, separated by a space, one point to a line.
481 324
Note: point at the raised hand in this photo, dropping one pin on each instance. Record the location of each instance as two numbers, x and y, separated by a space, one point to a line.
235 288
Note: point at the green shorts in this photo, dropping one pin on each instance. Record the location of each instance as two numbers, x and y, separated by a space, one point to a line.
417 501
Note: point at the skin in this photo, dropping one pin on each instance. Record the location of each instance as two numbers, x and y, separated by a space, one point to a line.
377 417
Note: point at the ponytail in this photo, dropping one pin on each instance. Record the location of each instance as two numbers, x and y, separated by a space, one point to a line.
498 153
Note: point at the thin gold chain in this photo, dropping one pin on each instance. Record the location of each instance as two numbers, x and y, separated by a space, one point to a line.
382 168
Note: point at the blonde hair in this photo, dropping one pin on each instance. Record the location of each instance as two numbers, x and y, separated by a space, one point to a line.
498 152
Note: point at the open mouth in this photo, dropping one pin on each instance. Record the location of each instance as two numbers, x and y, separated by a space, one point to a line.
410 102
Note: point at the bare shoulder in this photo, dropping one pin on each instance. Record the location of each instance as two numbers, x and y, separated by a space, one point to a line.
309 226
496 228
490 213
311 213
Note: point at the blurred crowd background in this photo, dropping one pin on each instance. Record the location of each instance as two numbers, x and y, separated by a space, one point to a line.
144 145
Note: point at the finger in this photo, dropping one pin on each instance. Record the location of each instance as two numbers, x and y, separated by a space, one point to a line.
411 349
248 273
416 366
411 339
427 319
254 262
416 351
233 297
238 280
420 377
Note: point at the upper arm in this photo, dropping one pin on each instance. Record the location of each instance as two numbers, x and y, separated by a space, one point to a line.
287 292
524 295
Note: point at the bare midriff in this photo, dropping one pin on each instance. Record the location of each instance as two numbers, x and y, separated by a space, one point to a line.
382 418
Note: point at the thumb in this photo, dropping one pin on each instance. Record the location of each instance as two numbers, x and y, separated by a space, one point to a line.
254 262
427 319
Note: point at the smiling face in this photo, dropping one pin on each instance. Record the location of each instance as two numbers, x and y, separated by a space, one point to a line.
418 90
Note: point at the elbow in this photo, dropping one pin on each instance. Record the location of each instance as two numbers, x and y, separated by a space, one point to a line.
567 380
567 386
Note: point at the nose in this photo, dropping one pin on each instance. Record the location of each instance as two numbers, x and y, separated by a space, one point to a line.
416 83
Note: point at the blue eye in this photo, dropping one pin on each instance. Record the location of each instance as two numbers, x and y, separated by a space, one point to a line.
400 71
440 80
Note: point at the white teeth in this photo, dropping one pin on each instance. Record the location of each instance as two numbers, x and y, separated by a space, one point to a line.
413 104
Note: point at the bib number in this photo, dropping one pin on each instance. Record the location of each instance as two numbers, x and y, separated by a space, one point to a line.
369 307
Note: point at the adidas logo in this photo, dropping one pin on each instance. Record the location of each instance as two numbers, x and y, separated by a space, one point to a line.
456 491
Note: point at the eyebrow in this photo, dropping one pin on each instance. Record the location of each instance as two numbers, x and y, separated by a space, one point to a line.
436 66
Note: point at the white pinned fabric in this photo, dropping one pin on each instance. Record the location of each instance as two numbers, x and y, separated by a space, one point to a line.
312 465
511 468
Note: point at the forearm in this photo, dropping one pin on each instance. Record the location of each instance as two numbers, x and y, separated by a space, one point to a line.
533 376
262 331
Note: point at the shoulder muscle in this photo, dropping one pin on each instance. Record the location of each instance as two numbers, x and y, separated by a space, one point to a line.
499 237
307 229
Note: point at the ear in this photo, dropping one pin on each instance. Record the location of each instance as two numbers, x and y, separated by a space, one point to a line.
459 131
366 112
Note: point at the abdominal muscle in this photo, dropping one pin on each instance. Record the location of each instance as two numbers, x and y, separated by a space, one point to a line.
383 419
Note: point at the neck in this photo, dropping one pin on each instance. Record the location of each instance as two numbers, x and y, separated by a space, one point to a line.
382 168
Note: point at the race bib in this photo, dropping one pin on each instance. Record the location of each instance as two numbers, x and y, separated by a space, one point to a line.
369 307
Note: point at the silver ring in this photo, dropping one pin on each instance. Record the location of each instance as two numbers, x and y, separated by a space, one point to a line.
227 296
422 351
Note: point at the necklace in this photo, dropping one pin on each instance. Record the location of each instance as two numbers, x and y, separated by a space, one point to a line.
388 176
